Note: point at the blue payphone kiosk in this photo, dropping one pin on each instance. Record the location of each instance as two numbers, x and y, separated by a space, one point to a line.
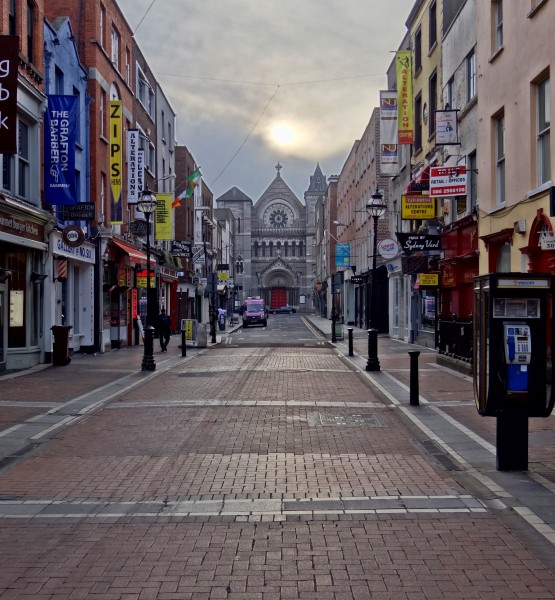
512 362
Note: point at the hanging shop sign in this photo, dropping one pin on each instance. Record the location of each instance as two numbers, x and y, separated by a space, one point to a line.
448 181
388 248
428 279
418 242
417 207
73 236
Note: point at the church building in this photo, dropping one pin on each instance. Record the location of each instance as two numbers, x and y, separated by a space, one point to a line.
273 243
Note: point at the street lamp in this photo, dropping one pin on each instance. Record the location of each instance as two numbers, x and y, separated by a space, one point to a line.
375 208
147 205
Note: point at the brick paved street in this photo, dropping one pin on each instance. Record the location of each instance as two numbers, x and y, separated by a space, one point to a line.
264 472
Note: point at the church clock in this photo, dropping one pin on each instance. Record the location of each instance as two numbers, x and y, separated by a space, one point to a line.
278 216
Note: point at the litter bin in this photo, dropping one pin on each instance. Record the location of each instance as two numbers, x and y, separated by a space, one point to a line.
60 352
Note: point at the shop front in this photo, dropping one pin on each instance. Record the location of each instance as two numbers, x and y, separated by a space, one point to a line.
71 302
24 284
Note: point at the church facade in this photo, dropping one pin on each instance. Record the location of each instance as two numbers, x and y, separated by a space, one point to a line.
273 243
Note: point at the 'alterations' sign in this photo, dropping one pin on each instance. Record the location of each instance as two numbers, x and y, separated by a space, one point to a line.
418 207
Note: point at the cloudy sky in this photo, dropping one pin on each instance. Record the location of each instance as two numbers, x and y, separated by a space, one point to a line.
254 82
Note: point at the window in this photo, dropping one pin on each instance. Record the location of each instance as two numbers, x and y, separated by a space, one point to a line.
500 159
433 25
432 88
450 95
102 113
77 95
102 32
30 32
418 50
543 131
12 20
498 21
163 126
23 155
472 179
115 47
418 123
58 80
127 66
470 76
103 192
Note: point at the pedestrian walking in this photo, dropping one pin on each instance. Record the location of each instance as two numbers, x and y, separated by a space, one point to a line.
222 314
163 327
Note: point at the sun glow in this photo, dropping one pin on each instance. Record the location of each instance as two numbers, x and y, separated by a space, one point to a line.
282 134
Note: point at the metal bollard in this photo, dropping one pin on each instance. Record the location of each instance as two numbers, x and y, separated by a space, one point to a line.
333 332
373 363
414 392
183 344
148 358
350 333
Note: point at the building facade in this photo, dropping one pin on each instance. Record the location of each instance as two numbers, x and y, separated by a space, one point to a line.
271 240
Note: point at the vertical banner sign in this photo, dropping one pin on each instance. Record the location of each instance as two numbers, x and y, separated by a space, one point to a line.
342 255
163 217
116 166
133 190
389 133
9 59
388 117
197 196
389 159
140 178
403 62
60 129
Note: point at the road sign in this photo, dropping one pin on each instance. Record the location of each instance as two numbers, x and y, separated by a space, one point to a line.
82 211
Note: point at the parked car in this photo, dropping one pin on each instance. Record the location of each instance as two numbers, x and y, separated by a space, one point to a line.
284 309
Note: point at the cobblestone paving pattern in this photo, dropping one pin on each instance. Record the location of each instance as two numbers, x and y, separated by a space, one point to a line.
402 558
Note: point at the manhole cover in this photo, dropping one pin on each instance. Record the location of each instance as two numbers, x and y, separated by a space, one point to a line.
328 419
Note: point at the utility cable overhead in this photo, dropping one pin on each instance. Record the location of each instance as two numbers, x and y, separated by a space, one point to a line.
247 137
144 16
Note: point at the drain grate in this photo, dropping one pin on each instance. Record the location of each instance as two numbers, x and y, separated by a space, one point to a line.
330 419
197 374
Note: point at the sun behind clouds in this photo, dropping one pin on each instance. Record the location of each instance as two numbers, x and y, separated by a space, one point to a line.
283 135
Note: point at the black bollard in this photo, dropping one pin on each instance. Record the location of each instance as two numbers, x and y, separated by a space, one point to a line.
148 357
414 392
333 322
373 363
350 333
183 343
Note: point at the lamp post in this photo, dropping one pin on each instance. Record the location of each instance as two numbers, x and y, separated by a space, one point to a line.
375 209
147 205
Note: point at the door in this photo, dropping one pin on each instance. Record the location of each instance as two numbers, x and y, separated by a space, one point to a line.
3 325
279 297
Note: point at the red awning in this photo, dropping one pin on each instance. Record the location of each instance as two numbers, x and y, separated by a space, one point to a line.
135 255
420 183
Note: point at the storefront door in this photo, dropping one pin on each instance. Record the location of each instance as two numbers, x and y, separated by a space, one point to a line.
3 325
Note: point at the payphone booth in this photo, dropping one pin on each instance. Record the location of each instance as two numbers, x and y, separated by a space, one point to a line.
513 333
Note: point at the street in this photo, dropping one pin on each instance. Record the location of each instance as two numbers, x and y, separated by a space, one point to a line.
269 465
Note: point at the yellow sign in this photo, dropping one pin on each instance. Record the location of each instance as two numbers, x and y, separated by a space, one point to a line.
418 207
405 115
188 329
163 217
429 279
116 164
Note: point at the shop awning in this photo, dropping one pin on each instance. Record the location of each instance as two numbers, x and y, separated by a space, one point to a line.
421 183
135 255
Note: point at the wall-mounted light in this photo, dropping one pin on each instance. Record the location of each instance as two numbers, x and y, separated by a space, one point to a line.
37 277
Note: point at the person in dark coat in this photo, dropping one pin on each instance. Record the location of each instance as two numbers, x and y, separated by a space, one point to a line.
163 327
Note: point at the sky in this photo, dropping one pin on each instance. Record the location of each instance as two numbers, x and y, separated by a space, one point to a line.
254 82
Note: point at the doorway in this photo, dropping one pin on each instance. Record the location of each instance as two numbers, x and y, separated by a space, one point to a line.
3 325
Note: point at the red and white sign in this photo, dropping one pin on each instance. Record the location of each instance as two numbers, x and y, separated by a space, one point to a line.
448 181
